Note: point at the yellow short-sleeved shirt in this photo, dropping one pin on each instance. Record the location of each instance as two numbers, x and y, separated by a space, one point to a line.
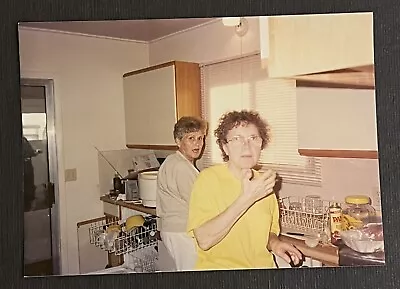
244 247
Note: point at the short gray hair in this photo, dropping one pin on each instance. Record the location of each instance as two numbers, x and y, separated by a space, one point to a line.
188 124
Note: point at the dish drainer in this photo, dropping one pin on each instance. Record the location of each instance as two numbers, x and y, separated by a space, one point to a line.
144 260
139 246
122 241
296 216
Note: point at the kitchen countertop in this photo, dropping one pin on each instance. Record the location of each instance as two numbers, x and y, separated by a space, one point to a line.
327 254
129 205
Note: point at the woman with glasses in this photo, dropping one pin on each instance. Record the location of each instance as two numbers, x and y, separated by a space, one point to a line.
174 185
233 211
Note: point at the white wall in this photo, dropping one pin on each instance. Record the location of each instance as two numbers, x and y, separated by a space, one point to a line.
215 42
208 43
342 177
88 90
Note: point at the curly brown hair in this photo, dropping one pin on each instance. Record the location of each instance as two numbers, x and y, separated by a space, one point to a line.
234 119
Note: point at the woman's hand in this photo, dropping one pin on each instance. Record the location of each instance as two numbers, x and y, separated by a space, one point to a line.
255 189
284 250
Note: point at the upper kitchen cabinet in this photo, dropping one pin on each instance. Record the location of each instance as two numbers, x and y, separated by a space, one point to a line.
309 44
155 98
336 122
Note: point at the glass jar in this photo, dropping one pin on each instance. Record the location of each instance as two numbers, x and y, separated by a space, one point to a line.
357 211
313 204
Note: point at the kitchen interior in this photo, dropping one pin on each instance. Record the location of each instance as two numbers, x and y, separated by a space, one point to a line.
120 86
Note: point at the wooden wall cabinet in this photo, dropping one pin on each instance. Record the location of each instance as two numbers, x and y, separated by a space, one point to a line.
155 98
308 44
337 123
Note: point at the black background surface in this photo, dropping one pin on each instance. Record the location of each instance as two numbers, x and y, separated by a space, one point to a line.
387 52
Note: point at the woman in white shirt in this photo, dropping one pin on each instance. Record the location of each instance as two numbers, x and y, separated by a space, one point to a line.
174 185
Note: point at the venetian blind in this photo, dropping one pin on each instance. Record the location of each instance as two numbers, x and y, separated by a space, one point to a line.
242 84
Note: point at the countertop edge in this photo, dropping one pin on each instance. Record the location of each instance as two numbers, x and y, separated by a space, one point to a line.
139 208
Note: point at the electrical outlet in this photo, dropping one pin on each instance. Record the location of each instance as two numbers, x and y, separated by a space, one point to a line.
70 175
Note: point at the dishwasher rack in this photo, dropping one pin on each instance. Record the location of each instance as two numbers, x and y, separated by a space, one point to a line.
119 241
296 216
143 260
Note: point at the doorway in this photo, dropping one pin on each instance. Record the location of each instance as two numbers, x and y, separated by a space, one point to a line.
40 182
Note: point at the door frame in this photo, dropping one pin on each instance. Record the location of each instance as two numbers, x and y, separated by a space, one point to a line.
48 84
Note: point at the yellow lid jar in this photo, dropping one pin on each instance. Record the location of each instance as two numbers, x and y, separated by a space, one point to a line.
358 210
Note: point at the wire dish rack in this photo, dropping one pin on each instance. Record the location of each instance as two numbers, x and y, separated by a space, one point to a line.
302 215
144 260
112 236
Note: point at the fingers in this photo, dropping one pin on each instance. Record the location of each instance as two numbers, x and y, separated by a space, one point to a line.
295 254
247 174
289 253
296 259
267 174
269 183
286 257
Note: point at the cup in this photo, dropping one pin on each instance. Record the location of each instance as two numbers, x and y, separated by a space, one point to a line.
313 204
295 206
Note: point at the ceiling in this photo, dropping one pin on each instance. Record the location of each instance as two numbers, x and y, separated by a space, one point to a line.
139 30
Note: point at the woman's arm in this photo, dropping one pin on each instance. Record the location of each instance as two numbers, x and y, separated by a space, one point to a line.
213 231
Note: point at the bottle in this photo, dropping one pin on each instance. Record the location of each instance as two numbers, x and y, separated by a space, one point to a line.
117 183
335 217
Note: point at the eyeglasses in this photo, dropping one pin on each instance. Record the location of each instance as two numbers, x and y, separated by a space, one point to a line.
239 140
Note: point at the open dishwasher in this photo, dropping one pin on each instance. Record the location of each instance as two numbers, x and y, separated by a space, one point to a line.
138 245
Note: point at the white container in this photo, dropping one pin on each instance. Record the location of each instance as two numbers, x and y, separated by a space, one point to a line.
148 188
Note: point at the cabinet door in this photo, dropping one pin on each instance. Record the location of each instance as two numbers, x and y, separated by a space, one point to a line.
304 44
150 107
336 119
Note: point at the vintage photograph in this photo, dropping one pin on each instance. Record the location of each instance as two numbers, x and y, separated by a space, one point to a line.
171 145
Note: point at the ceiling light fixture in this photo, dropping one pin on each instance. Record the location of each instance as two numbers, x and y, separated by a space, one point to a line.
231 21
240 23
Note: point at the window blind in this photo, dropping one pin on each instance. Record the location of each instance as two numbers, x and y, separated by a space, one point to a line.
242 84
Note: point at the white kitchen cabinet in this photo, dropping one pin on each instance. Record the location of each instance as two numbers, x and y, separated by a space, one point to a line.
155 98
336 122
305 44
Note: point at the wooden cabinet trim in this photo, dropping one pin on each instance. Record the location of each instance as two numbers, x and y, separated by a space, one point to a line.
187 89
345 78
356 154
152 147
154 67
161 65
321 84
